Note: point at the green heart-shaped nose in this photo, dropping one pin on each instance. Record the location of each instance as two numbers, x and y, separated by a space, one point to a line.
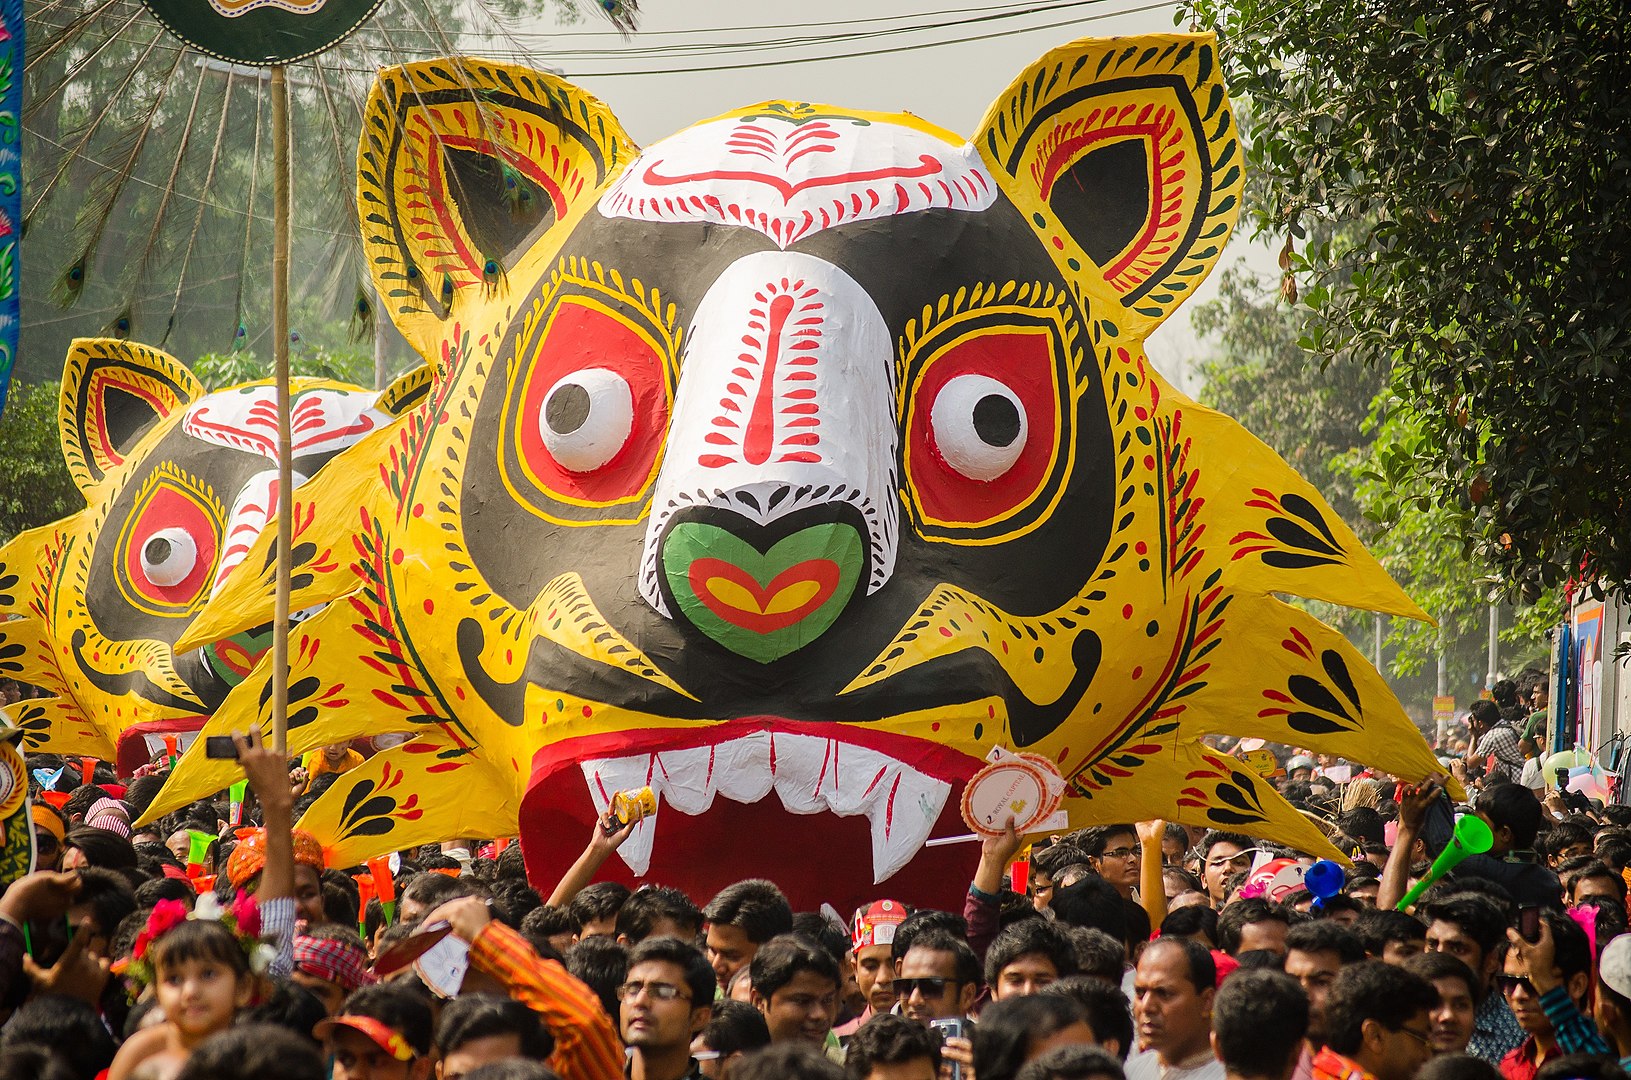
233 658
762 604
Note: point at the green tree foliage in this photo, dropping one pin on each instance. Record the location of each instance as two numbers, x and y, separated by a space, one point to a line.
1426 551
1341 425
1310 410
1475 153
217 370
34 484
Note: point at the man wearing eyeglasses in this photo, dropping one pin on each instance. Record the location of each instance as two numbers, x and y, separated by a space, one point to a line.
1114 851
1378 1025
665 1000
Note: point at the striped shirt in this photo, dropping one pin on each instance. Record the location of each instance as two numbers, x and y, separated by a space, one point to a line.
586 1044
1573 1031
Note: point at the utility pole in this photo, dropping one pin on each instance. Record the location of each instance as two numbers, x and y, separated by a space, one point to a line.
1443 679
382 374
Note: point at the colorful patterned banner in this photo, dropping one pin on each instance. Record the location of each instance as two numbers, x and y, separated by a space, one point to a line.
16 825
11 182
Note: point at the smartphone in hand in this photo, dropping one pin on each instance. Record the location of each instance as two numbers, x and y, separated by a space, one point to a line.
1529 924
952 1027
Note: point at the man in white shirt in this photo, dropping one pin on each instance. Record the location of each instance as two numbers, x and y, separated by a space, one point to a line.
1172 1013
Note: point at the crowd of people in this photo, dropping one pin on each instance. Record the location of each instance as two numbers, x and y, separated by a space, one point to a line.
204 947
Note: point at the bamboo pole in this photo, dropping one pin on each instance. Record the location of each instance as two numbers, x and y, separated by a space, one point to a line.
280 360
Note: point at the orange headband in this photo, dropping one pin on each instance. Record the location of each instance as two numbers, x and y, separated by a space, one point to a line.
249 857
45 818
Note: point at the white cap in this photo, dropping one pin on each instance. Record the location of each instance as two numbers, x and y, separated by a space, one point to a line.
1615 966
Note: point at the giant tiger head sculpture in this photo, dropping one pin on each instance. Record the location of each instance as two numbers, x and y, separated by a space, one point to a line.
792 464
177 482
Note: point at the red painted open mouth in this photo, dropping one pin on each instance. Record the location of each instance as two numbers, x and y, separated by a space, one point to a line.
138 743
828 811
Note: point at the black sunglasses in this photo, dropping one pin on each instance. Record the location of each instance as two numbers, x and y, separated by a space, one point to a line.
928 987
1509 983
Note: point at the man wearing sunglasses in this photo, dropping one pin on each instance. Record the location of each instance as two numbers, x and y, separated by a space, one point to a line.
665 1000
1546 982
938 977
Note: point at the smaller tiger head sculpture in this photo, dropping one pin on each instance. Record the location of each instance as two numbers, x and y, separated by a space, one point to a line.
178 483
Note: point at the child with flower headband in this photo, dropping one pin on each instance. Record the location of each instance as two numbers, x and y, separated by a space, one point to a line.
202 970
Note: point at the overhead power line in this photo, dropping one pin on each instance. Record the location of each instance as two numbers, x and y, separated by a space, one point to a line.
708 48
749 48
823 24
916 47
740 54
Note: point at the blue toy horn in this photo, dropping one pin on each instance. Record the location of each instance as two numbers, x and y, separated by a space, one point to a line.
1324 880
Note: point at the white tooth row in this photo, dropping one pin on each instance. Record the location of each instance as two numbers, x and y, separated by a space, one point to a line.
810 775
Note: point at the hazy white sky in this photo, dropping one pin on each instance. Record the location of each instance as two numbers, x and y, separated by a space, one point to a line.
951 84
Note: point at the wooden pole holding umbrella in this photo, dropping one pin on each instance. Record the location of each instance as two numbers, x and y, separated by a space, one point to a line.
271 37
281 179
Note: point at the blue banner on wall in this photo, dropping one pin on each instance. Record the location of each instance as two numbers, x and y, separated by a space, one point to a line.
11 183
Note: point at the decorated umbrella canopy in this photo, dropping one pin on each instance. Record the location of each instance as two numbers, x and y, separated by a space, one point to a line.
262 32
147 194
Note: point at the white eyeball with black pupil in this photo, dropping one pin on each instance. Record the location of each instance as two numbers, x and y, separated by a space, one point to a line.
979 426
586 419
168 556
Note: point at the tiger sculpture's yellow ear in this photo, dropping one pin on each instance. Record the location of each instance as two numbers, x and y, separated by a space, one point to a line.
464 165
113 392
1122 153
405 392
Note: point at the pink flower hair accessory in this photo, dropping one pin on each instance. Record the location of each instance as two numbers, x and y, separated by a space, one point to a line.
242 919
